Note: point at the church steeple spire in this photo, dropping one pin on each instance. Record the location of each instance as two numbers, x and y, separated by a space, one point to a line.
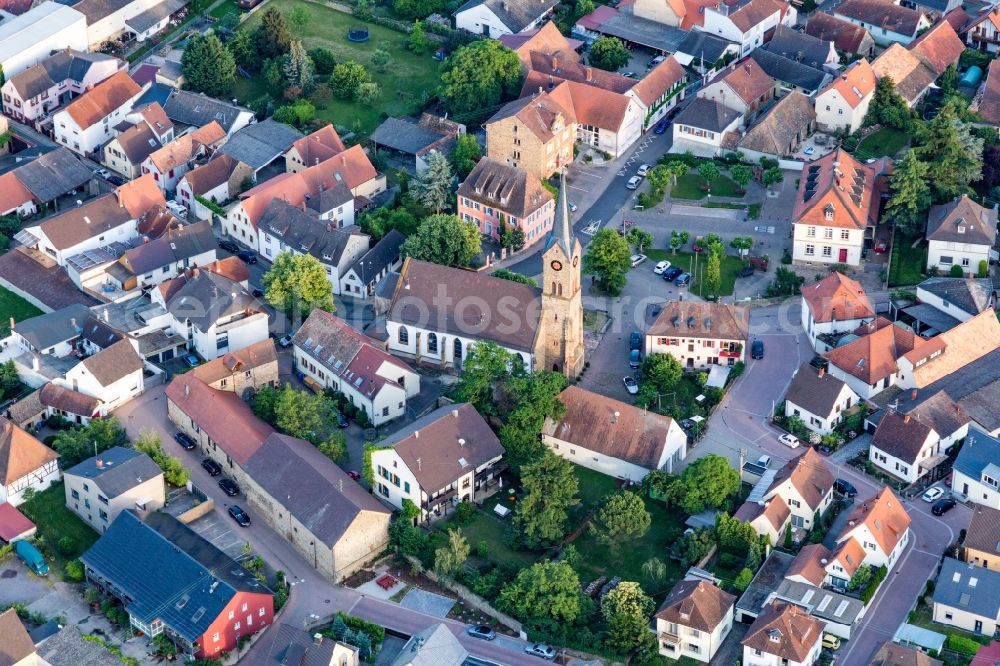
562 229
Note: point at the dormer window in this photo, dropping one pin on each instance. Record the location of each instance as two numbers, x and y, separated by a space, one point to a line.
828 212
961 229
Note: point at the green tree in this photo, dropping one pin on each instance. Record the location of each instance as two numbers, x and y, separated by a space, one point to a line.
713 273
654 570
334 447
742 244
380 221
347 79
298 67
3 76
709 172
707 483
953 149
639 238
323 60
543 591
607 259
659 177
676 169
208 66
679 239
274 75
887 107
445 240
174 471
465 154
506 274
626 609
660 374
476 76
450 558
242 47
418 42
949 80
434 187
786 283
694 546
860 578
272 37
527 400
416 9
742 581
297 283
608 53
582 8
741 175
550 490
367 93
10 380
623 517
772 177
910 194
486 364
363 10
78 444
380 59
299 113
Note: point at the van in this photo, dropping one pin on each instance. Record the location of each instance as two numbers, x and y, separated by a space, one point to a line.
31 557
764 461
831 642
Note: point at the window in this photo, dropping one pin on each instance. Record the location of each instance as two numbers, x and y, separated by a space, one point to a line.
965 261
810 250
385 411
827 251
103 514
947 260
76 495
811 232
261 612
403 336
406 487
215 636
828 233
244 608
236 626
432 343
845 234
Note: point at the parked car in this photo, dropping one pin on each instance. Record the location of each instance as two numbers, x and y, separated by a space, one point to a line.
671 273
845 488
661 267
943 506
637 259
745 272
881 247
818 362
239 515
683 280
342 420
573 207
764 461
823 450
631 75
213 468
791 441
190 360
635 340
932 494
117 181
831 642
483 631
31 557
257 292
630 385
103 173
757 349
229 246
643 170
185 440
633 182
229 487
285 341
655 61
661 126
354 474
248 256
541 650
634 359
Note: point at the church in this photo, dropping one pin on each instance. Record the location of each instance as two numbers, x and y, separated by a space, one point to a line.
438 313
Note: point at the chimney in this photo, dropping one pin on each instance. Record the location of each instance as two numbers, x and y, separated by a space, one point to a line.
454 413
614 417
318 639
913 394
418 465
906 418
100 464
187 390
461 442
823 561
12 323
590 73
106 318
145 239
822 371
958 408
35 363
416 434
72 322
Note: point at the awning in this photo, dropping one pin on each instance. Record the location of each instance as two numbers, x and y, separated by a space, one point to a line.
932 462
26 238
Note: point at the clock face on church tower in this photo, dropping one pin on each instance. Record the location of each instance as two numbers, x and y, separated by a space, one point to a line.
576 260
556 265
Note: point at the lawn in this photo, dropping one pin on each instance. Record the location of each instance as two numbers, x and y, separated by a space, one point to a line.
48 511
687 261
908 262
406 79
689 187
599 559
12 305
225 7
886 142
490 528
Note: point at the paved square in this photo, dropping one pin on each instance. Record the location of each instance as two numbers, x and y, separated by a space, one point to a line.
427 602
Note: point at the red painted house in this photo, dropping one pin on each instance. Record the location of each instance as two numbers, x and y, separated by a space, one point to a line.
173 582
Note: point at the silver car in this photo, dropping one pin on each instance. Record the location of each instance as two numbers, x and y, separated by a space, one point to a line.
541 650
633 182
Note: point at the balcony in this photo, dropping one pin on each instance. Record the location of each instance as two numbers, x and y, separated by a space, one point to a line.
431 504
669 639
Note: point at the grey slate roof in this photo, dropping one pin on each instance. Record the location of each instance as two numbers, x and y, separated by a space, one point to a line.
113 363
177 244
53 174
61 66
204 297
971 295
404 135
260 144
310 486
297 229
706 114
196 109
979 224
68 648
381 255
644 31
699 45
120 470
800 47
814 393
294 647
147 19
51 328
975 386
515 14
194 580
779 130
968 588
95 10
979 452
787 70
434 646
799 593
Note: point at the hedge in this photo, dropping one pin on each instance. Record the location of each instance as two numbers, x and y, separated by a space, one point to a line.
873 584
375 631
961 644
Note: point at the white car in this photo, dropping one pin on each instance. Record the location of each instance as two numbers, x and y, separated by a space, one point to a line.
932 494
630 385
103 173
637 259
661 267
791 441
643 170
572 207
633 182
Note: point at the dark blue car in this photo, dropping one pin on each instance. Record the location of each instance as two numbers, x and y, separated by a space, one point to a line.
661 126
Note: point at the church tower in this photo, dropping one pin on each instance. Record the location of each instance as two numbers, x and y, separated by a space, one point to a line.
559 339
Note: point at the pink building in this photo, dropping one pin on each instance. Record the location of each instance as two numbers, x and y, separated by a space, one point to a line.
496 195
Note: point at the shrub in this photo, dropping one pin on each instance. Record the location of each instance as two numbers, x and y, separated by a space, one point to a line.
956 271
74 570
869 592
984 269
962 644
66 546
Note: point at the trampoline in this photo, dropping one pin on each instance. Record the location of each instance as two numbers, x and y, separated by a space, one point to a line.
358 33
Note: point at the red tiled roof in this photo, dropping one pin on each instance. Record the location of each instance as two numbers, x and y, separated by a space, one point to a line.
102 99
838 184
836 298
885 518
13 523
939 47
